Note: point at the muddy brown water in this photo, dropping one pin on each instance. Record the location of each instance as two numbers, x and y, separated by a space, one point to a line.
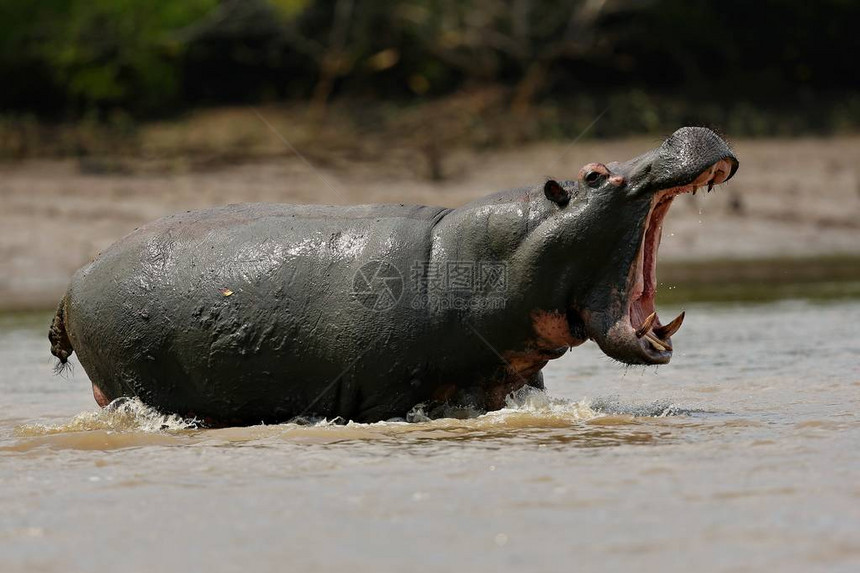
743 454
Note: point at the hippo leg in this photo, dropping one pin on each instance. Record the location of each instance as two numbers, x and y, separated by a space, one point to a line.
536 381
100 397
496 393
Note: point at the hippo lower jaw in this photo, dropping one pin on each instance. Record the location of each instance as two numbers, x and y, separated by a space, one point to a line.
638 336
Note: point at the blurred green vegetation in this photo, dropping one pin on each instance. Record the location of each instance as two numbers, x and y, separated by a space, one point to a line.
772 67
760 280
76 57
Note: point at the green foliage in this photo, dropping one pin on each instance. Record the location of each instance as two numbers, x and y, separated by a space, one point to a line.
652 62
102 52
114 51
290 8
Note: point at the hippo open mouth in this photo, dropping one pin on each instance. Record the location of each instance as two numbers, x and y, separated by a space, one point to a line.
655 338
619 314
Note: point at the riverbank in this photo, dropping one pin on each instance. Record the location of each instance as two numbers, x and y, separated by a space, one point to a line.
793 202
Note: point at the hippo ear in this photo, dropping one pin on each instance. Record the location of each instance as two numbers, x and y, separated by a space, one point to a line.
556 193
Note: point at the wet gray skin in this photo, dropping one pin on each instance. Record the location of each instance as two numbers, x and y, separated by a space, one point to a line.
261 313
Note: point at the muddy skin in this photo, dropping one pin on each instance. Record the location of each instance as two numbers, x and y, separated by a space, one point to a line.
261 313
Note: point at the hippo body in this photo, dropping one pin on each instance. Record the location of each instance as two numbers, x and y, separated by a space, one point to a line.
263 313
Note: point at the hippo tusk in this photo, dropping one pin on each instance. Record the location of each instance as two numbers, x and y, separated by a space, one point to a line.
658 344
664 332
646 325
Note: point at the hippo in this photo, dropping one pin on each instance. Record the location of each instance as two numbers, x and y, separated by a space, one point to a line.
265 313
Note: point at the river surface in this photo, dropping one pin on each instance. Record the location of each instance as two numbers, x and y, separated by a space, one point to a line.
741 455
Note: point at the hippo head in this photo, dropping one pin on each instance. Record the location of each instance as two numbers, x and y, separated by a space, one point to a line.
604 236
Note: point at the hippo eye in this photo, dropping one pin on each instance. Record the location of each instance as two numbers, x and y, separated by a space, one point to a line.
592 177
593 174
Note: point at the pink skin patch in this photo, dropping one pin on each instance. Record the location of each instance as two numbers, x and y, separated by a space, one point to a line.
101 399
552 339
553 330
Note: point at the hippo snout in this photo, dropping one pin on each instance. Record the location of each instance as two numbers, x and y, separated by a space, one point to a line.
686 154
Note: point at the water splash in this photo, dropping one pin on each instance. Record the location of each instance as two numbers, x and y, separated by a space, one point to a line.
121 415
613 405
525 408
526 405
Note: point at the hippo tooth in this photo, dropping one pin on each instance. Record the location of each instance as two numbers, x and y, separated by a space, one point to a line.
657 344
646 326
664 332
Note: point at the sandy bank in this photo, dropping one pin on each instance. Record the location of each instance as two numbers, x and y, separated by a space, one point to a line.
791 198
